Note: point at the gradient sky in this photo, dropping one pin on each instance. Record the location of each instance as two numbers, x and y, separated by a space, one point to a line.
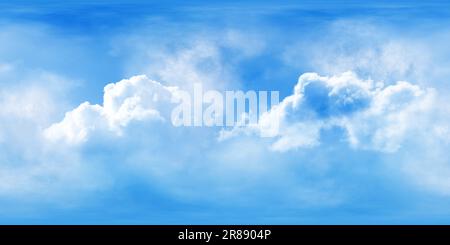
365 112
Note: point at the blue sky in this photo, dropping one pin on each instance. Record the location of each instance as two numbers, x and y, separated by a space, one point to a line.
364 112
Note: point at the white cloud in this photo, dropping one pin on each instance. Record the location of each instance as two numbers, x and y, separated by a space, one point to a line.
393 114
137 98
30 169
165 155
298 135
374 116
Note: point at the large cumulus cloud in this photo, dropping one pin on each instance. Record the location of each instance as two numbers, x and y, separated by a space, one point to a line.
374 116
137 98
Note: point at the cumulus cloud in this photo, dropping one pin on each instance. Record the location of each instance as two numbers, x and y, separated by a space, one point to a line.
29 168
373 115
137 98
164 155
